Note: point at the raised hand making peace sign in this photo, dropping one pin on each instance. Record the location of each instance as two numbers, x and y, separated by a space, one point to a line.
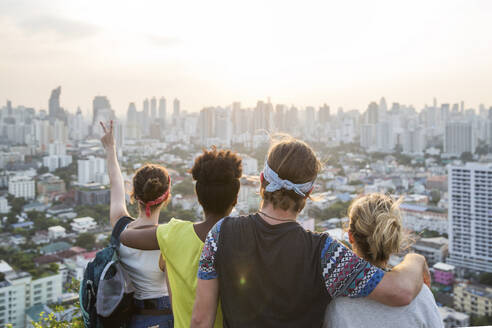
108 137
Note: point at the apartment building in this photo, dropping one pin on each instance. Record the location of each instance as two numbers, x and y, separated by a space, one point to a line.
473 298
18 291
22 187
470 216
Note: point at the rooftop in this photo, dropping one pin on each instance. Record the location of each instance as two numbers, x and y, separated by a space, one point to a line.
443 266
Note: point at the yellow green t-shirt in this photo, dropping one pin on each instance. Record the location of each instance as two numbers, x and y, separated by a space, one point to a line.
181 249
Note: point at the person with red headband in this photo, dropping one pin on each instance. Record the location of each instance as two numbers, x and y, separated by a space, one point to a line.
217 174
146 268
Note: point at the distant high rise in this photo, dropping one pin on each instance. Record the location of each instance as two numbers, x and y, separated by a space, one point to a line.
458 138
55 111
146 106
153 108
279 118
176 107
99 103
324 114
367 136
206 123
132 122
470 226
372 113
9 108
162 111
310 120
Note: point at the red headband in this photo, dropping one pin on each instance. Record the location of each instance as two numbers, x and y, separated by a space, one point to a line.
159 200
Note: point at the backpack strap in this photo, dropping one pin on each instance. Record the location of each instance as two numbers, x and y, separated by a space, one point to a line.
118 229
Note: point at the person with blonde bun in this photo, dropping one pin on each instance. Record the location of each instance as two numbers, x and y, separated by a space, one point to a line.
376 232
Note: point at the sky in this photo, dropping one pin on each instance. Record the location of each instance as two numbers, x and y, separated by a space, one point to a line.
207 53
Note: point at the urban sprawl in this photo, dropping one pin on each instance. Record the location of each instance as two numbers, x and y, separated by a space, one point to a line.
54 193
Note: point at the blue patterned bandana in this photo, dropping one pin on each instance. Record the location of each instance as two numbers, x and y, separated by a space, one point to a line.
276 183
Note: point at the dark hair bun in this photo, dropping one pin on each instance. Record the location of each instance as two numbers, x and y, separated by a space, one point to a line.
152 187
150 182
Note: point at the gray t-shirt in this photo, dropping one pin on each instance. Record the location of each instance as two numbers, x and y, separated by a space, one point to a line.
362 312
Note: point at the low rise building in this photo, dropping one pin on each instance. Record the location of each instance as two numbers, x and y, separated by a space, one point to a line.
452 318
420 217
56 232
473 299
4 205
92 194
443 273
84 224
50 185
434 249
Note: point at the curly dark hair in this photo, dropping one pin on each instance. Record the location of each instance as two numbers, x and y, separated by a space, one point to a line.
217 174
149 183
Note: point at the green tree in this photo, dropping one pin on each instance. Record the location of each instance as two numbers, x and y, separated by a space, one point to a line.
466 156
42 170
435 196
86 240
186 187
485 278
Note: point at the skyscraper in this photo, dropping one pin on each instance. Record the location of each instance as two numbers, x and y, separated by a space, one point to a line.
99 103
162 111
372 113
55 111
176 107
153 108
470 216
458 138
324 114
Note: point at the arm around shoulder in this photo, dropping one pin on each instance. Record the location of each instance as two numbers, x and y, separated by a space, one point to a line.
403 283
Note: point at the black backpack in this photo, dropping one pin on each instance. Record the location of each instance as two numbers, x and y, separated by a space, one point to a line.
105 274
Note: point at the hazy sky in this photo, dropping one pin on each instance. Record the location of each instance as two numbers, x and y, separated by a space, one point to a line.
344 53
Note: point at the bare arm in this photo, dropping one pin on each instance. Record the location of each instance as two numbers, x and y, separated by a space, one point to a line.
143 237
117 207
402 284
206 301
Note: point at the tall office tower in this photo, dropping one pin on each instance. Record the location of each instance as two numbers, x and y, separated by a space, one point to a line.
162 111
413 141
383 109
153 108
292 119
145 105
119 137
206 123
372 113
223 127
9 108
310 120
59 131
458 138
385 138
462 106
469 216
132 122
236 118
99 104
55 111
444 114
279 118
42 134
176 107
367 136
262 116
80 128
324 114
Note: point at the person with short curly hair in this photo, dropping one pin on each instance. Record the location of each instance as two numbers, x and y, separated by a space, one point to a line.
216 174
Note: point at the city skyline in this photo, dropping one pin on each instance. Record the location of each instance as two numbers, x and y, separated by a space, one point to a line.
331 53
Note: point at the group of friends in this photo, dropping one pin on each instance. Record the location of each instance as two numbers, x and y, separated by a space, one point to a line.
264 269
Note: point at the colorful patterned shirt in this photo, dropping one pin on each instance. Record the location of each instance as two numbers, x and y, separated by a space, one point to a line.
344 273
